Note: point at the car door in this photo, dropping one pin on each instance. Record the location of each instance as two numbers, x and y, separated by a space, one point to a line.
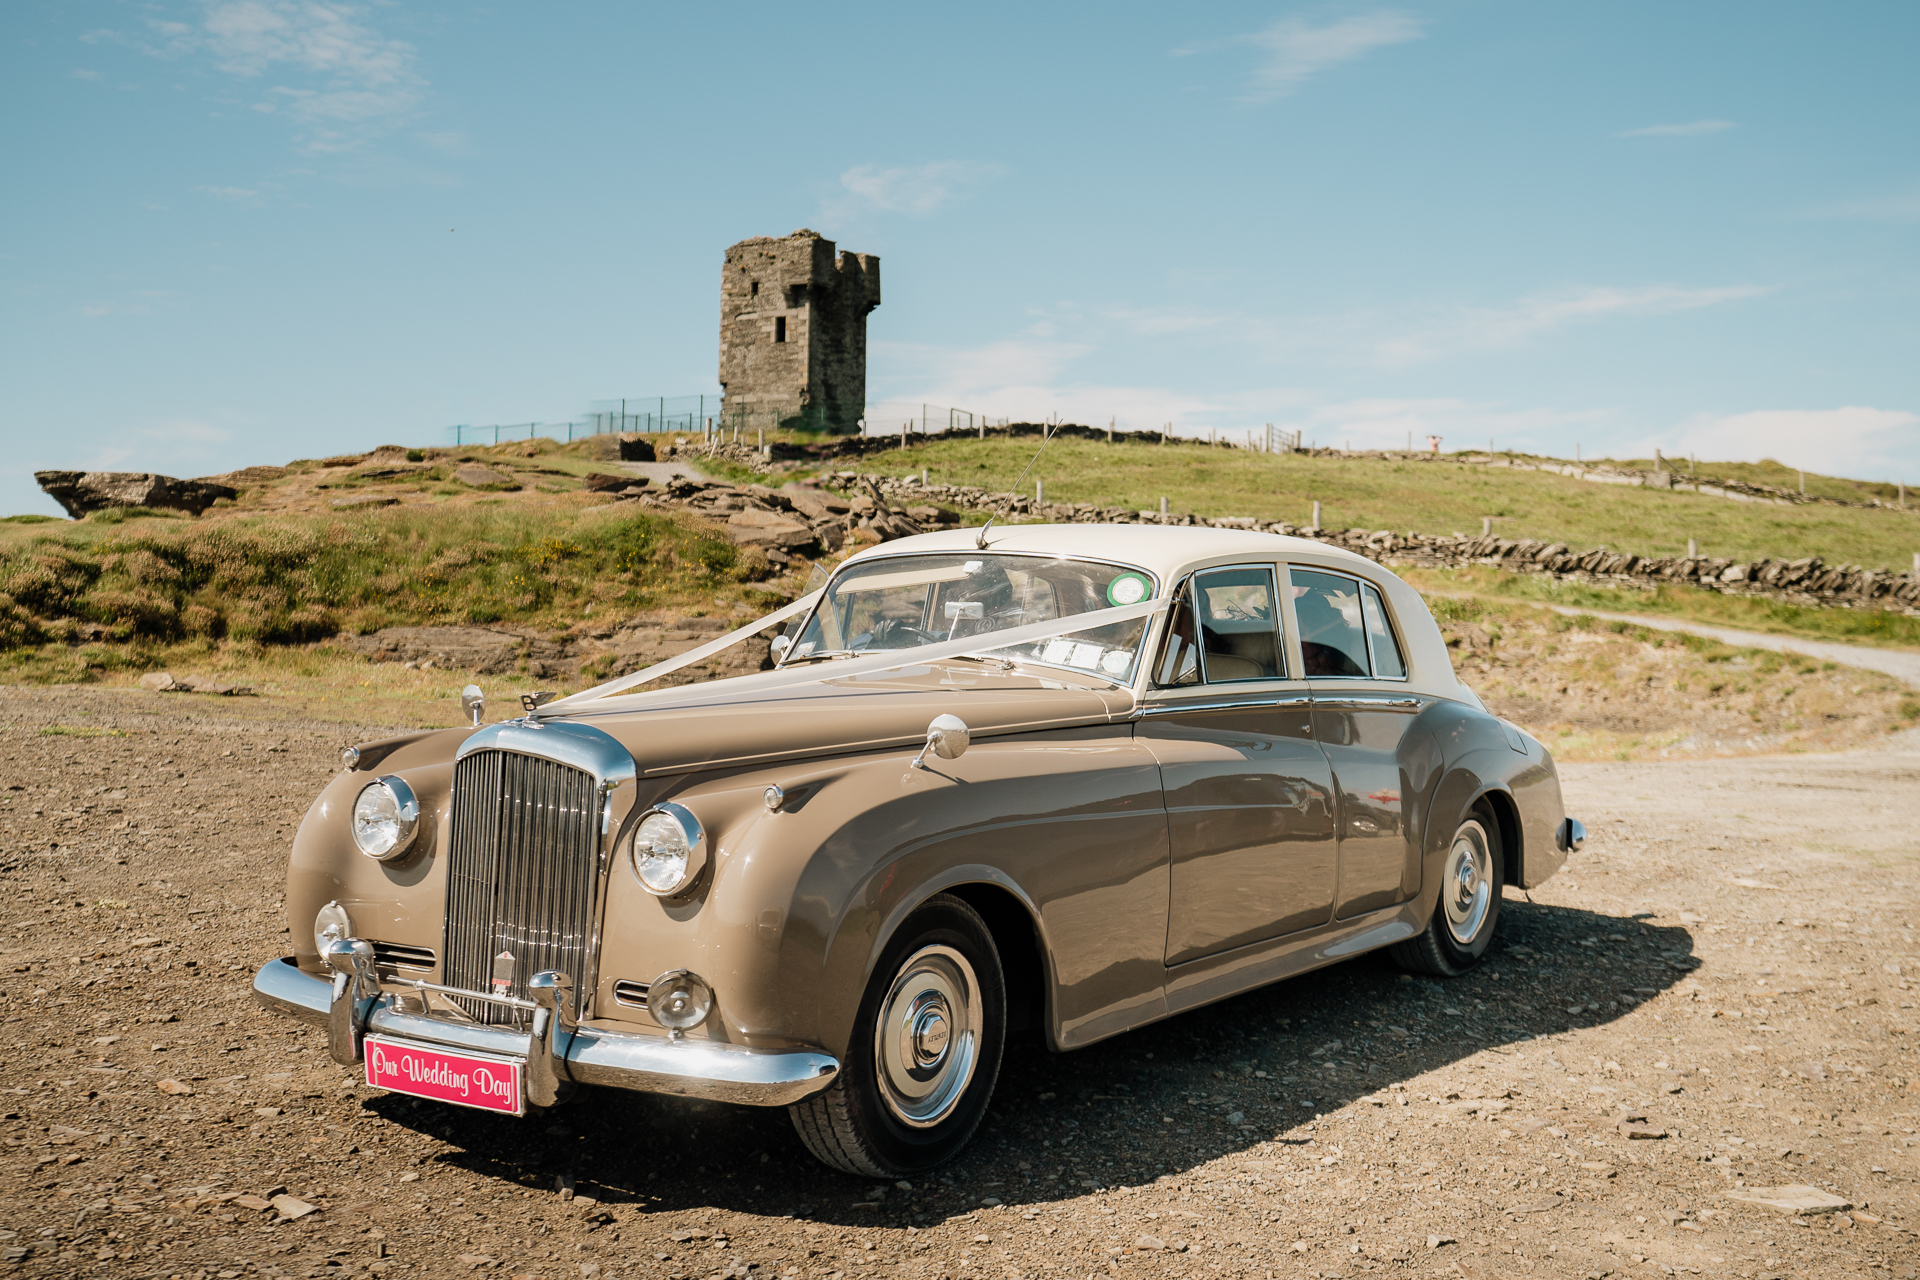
1362 710
1248 792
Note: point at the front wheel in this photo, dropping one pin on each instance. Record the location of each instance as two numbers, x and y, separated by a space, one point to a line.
1468 912
925 1051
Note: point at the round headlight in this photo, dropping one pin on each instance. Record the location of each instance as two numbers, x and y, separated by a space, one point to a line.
385 818
669 849
679 1000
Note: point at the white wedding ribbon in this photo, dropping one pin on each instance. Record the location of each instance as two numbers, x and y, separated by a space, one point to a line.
688 658
873 660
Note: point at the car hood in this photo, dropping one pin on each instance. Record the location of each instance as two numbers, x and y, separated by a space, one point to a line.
768 717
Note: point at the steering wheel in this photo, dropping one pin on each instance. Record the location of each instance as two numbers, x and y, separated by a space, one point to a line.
892 633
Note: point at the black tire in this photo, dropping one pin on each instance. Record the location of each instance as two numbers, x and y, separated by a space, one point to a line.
871 1122
1457 934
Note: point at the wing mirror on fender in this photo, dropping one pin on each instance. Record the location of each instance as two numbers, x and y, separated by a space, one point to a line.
780 646
947 737
474 703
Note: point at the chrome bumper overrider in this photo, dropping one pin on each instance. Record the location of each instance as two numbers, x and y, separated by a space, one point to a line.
351 1006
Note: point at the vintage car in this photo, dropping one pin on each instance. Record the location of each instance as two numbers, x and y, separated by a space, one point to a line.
1062 780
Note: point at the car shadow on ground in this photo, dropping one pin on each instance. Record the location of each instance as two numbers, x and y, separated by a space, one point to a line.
1153 1103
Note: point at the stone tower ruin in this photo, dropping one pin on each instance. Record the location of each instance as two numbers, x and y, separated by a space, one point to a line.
793 333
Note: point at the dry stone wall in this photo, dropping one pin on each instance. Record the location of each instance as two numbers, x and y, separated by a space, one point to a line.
1807 581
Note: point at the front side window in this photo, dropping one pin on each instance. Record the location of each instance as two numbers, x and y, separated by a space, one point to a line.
1239 625
1224 628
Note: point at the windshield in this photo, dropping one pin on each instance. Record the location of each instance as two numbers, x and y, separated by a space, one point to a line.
903 602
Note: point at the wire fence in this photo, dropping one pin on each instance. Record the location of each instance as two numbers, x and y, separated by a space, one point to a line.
708 416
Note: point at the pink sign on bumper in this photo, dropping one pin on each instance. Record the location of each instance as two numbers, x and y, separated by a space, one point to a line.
465 1079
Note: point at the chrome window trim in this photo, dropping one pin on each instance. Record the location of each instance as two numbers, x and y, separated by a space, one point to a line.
826 588
1365 635
1251 700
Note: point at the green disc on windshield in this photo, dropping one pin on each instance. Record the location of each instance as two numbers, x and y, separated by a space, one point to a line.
1128 588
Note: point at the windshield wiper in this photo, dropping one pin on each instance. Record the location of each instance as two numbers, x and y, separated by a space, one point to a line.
822 656
1005 664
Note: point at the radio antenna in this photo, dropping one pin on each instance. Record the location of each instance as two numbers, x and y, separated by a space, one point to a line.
1046 435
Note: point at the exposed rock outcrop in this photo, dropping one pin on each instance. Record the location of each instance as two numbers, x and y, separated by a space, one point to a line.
83 491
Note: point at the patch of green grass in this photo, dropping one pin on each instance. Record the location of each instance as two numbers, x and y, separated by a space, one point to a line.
298 578
1428 497
80 731
1880 628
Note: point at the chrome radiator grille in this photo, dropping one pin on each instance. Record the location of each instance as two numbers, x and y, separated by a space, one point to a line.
521 874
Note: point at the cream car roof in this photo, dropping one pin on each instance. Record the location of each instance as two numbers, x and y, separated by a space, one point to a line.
1165 550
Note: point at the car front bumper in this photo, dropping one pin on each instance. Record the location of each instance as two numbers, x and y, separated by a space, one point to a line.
554 1053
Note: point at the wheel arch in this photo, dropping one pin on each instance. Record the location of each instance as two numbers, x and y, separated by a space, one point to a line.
1018 936
1023 965
1506 815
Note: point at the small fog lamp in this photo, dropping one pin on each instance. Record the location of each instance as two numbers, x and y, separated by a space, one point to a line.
330 925
679 1000
669 850
385 817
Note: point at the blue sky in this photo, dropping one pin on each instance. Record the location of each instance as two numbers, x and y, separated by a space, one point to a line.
244 231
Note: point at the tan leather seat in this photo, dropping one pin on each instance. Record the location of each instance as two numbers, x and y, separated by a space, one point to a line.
1224 666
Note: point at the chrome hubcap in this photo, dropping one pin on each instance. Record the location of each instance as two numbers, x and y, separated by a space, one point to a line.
928 1035
1468 887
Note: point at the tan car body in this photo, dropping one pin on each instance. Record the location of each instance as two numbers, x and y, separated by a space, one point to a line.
1084 822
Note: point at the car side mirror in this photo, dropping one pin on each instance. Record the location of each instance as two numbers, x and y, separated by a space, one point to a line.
947 737
780 646
473 704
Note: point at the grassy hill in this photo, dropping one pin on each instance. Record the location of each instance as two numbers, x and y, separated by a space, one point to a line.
261 585
1436 497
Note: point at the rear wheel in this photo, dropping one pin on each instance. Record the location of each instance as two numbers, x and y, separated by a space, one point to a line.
925 1052
1468 912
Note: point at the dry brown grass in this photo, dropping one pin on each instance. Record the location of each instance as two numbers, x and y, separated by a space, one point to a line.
1599 690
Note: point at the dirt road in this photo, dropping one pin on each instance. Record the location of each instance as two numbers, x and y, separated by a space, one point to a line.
1897 663
1728 964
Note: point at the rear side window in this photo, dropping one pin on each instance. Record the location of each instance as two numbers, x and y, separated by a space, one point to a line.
1333 640
1387 662
1239 625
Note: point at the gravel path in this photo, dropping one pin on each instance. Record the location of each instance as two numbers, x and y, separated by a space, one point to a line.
1892 662
1728 964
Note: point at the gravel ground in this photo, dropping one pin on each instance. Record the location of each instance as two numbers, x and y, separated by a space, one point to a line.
1727 965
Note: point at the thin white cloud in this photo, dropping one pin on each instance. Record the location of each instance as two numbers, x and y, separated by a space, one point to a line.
915 189
1898 208
1479 328
1412 336
336 76
1694 129
81 73
1854 440
1294 50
